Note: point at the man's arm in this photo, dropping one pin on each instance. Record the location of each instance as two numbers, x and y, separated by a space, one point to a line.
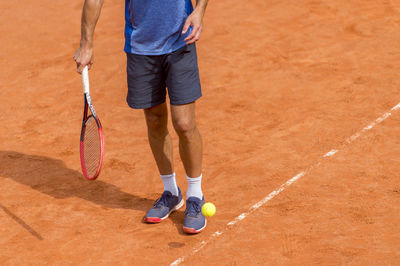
90 14
196 21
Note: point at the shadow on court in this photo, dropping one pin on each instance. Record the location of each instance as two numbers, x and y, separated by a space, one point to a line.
177 218
52 177
21 222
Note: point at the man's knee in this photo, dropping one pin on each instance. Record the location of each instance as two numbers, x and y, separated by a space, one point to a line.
185 128
156 123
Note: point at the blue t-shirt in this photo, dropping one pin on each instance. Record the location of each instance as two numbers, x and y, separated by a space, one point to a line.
154 27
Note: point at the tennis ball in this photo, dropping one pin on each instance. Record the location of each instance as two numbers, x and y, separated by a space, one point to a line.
208 209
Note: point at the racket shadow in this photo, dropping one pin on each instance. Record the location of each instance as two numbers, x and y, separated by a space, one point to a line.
52 177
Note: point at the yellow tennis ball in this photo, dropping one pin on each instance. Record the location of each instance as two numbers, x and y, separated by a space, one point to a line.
208 209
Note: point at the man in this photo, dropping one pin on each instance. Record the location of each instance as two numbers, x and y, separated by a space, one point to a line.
160 38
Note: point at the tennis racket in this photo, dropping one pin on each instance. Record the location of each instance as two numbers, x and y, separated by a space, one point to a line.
92 138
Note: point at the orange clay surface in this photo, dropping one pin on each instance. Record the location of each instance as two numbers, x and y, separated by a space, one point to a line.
284 82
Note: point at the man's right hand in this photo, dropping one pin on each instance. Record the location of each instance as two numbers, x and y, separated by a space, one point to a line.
90 14
83 57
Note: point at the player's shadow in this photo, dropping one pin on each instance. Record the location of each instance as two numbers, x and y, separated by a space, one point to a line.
177 218
52 177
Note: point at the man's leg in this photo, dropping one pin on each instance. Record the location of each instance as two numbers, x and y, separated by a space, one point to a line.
159 138
191 152
190 143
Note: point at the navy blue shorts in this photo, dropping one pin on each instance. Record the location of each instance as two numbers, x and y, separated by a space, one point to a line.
150 76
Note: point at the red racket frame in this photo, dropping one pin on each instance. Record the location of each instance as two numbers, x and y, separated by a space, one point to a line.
101 136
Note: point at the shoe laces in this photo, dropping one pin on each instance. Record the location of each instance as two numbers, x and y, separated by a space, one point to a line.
163 200
192 208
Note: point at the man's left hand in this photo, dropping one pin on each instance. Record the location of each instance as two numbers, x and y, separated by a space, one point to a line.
196 21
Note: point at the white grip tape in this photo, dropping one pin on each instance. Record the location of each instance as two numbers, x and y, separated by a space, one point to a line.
85 79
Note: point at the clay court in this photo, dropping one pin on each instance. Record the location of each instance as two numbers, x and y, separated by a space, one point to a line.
300 122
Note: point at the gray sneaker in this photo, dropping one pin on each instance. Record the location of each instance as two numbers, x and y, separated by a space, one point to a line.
163 207
194 222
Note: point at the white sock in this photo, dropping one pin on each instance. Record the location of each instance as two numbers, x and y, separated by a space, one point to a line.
170 183
194 187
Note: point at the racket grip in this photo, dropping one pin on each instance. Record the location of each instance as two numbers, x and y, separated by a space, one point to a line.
85 79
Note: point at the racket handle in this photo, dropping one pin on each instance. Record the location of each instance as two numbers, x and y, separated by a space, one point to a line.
85 79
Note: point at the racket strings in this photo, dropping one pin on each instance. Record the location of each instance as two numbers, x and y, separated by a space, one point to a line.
92 147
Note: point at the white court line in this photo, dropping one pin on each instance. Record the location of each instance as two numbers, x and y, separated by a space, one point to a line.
274 193
330 153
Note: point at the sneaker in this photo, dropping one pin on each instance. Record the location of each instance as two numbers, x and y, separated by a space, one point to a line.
194 221
163 207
